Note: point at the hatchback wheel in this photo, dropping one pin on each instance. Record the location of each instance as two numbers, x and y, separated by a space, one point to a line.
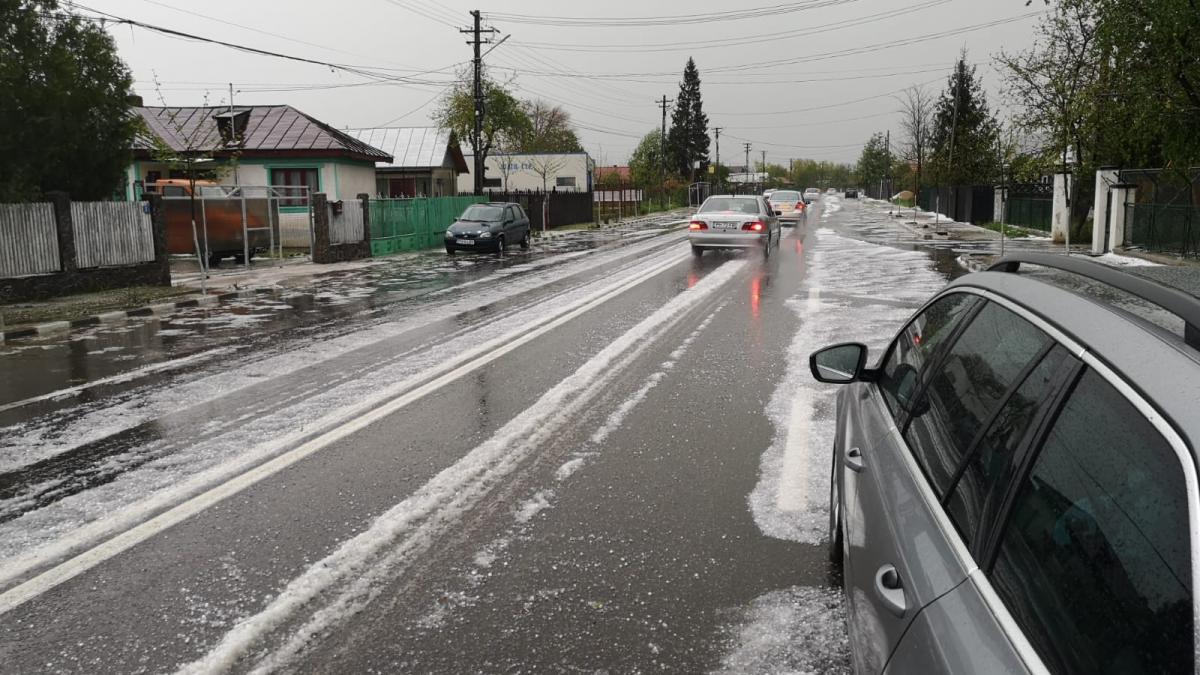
500 246
525 240
449 250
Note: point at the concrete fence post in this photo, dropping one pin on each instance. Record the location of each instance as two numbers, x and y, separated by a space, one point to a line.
65 229
158 232
1060 221
364 200
1123 195
321 240
998 206
1106 176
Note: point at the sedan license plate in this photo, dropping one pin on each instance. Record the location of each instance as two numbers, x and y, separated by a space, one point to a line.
465 242
726 226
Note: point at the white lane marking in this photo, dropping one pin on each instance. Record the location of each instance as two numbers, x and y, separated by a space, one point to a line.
791 494
371 558
122 377
239 476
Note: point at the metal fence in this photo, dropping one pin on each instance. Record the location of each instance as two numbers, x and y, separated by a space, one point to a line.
346 227
112 233
413 224
1165 214
28 240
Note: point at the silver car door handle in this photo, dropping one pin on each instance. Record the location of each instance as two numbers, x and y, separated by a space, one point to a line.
890 590
854 460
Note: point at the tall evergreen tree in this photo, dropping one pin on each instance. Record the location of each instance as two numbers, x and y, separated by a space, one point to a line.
964 133
687 139
63 111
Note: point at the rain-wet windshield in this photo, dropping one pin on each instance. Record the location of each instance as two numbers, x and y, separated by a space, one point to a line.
736 204
482 213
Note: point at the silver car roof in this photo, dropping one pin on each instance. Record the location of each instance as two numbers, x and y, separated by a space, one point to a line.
1156 363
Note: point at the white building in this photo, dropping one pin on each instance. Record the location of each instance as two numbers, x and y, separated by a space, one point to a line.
569 172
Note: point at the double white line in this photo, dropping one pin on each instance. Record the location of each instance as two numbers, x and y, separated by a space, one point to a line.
214 485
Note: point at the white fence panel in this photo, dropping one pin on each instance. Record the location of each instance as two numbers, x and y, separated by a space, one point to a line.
28 240
346 227
112 233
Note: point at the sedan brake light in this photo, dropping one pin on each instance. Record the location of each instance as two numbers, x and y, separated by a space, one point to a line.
754 226
697 225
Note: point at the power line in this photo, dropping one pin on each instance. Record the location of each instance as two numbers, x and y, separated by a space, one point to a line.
739 41
824 107
676 20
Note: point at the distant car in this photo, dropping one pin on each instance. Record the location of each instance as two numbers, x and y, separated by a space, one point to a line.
851 193
831 191
811 195
488 227
788 206
728 221
1014 483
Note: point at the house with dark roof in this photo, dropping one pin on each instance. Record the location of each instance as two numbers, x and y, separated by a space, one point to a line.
426 161
254 146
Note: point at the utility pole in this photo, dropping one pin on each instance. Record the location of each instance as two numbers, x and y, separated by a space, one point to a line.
662 200
717 172
747 147
764 171
477 134
889 161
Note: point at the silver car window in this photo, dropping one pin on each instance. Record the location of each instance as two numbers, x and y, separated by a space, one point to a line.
913 350
981 366
987 470
1094 562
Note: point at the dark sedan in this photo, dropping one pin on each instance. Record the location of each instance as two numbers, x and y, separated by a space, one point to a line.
490 227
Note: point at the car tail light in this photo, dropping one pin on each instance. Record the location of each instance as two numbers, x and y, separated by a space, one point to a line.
754 226
697 225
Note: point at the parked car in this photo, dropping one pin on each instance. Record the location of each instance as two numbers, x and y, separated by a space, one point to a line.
729 221
1014 484
788 205
851 193
488 227
218 220
811 195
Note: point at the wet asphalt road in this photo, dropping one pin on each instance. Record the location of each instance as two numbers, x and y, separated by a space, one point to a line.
578 460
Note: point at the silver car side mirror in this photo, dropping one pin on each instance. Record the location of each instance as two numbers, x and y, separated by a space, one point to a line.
838 364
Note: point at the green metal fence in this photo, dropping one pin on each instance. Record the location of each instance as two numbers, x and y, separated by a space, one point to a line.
1170 228
1033 212
413 224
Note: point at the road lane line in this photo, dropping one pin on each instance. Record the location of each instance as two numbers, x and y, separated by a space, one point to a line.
240 476
413 525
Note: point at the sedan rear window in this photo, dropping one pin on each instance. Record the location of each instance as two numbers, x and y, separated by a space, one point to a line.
785 196
735 204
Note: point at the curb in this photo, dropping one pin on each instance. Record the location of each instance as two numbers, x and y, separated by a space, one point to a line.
160 309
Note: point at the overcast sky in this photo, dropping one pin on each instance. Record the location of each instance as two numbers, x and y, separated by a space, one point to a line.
815 82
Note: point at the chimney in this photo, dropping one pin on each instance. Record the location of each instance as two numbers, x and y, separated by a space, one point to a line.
134 101
231 124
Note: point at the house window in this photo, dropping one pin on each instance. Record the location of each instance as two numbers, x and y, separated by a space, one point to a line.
294 180
564 181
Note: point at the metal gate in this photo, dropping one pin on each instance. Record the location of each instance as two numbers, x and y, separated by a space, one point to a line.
236 220
697 193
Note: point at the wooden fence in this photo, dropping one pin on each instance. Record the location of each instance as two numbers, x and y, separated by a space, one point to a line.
112 233
28 240
346 227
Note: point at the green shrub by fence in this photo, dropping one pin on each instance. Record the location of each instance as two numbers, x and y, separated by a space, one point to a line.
1167 228
413 224
1035 213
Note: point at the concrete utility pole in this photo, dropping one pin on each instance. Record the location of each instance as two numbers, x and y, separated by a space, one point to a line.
748 172
477 134
662 200
717 171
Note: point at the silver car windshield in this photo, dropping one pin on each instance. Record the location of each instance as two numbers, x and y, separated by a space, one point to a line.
747 205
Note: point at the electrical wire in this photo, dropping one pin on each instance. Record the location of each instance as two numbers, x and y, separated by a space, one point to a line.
676 20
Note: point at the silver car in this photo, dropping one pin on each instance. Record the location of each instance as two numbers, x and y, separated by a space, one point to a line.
788 206
734 221
1015 482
